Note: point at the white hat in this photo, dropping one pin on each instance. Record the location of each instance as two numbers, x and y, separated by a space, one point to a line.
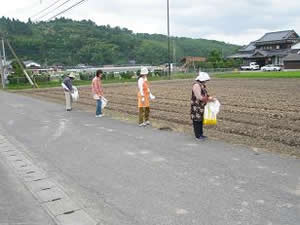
202 76
72 75
144 71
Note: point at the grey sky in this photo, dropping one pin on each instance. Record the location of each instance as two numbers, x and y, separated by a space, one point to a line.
239 21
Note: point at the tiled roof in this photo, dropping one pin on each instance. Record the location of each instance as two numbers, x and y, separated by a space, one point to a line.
240 56
276 36
281 52
248 48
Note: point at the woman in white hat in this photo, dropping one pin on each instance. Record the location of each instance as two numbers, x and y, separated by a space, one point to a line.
144 96
198 101
68 88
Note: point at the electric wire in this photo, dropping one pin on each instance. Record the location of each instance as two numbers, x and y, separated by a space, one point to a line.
76 4
45 9
41 17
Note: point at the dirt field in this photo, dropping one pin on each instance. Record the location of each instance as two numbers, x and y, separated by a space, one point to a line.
262 113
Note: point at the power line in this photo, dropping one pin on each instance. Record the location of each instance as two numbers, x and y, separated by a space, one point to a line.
45 9
41 17
80 2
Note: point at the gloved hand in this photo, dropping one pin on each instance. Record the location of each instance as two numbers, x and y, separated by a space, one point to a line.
152 97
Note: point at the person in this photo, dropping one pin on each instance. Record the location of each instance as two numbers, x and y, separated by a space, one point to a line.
68 89
199 99
98 92
144 96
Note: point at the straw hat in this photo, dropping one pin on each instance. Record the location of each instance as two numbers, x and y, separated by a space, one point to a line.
72 75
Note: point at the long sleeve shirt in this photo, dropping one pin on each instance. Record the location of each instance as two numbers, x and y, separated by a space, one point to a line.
68 82
97 86
197 92
141 85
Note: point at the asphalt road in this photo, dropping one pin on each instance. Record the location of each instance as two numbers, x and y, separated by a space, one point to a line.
125 175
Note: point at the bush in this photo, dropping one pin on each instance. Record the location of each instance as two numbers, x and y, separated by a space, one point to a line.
110 76
126 75
17 80
41 78
160 73
86 76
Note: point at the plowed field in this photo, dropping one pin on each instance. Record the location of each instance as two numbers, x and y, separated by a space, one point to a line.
263 113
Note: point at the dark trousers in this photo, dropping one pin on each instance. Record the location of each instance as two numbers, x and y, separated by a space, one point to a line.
198 128
143 114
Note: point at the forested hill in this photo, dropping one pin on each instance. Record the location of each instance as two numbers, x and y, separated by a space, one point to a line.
68 42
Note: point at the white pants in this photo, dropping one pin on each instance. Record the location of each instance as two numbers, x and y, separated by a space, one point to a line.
68 100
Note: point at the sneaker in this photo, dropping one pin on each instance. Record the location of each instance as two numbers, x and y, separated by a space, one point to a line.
98 116
147 122
202 137
142 124
69 110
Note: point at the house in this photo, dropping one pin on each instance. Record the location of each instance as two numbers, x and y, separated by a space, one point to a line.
31 65
292 60
190 61
272 48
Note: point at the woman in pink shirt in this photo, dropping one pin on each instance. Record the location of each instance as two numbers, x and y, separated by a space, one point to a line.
98 92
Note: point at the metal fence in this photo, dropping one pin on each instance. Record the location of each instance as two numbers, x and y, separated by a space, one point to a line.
88 76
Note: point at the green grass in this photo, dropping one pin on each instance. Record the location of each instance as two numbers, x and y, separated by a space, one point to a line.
82 82
291 74
282 74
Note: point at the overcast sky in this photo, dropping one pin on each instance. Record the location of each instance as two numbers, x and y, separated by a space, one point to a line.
237 22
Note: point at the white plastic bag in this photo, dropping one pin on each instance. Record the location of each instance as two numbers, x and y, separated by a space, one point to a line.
214 106
75 94
152 97
96 97
104 102
65 87
210 113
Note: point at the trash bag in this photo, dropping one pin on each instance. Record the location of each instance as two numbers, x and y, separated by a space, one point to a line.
96 97
75 94
104 102
152 97
65 87
210 113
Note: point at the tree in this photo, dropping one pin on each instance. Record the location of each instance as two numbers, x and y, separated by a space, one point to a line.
70 42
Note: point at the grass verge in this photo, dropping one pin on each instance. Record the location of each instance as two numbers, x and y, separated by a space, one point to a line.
282 74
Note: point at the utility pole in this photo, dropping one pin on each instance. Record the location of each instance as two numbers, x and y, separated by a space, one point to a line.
20 64
4 60
174 53
2 71
169 47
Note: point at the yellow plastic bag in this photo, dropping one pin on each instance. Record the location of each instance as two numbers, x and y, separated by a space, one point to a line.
210 118
210 113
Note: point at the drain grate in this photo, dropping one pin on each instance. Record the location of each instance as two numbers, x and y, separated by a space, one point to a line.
50 195
69 212
62 207
165 128
44 189
30 172
78 217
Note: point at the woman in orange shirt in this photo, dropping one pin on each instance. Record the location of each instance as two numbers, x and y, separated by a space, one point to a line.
144 96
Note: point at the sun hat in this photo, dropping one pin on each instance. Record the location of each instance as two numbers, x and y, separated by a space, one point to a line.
144 71
202 76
